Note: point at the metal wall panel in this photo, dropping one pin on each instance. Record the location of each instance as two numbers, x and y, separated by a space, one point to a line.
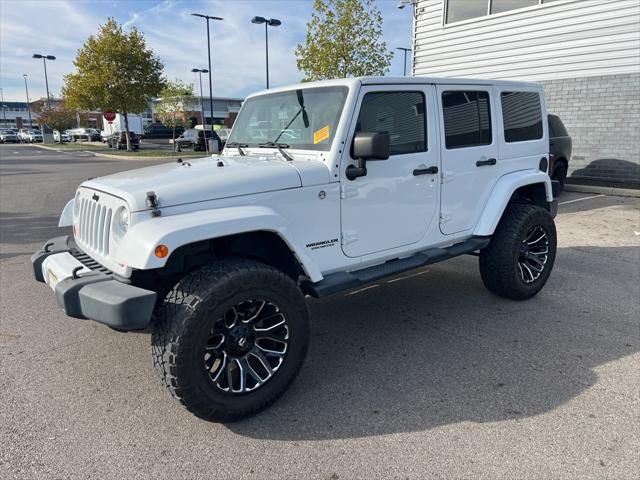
556 40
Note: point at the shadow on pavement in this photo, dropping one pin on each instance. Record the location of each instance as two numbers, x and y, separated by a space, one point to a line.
609 171
445 351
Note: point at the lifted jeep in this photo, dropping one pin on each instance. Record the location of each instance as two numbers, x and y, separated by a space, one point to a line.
321 187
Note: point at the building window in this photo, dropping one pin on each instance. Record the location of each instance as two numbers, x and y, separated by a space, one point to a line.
499 6
467 118
522 116
402 114
458 10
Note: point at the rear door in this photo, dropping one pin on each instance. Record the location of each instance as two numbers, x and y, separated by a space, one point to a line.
469 153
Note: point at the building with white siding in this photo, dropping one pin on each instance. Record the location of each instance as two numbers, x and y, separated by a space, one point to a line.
586 53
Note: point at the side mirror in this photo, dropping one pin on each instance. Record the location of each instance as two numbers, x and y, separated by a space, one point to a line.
367 146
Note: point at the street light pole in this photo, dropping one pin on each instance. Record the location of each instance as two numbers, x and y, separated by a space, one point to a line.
207 18
268 22
200 72
26 90
46 80
405 50
4 113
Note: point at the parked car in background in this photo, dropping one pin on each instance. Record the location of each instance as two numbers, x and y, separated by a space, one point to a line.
32 136
193 139
223 133
158 130
84 134
118 140
560 146
94 134
61 137
78 134
22 134
7 136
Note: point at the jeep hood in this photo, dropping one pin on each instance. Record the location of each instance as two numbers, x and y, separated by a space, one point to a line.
197 180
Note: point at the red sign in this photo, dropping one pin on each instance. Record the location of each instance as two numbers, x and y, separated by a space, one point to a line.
109 116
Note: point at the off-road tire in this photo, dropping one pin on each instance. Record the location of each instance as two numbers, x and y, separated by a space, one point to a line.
560 174
186 317
499 260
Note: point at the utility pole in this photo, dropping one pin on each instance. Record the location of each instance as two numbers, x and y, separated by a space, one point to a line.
405 50
26 89
46 80
207 18
202 118
4 113
268 22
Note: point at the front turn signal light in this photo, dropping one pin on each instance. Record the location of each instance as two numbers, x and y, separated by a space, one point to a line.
162 251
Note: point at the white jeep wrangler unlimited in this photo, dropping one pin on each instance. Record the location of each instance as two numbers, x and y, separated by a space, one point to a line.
321 187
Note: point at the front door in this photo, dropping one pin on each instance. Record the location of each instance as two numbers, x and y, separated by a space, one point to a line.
393 205
469 154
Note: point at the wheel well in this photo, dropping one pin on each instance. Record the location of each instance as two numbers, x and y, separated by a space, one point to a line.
535 194
262 246
561 160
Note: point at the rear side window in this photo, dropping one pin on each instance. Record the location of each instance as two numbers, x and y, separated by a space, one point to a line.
402 114
556 127
522 116
467 118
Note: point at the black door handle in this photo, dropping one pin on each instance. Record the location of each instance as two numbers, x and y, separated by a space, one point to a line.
425 171
482 163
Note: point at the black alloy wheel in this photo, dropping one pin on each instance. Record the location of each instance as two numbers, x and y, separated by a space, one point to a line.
247 346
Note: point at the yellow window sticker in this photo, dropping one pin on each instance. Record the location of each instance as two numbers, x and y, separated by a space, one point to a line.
321 135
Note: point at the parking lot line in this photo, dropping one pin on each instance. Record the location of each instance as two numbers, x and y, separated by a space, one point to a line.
581 199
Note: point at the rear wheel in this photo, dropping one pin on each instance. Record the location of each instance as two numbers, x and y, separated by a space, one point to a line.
230 338
560 174
521 254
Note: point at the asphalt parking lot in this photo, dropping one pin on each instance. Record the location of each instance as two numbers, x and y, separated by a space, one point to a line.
426 376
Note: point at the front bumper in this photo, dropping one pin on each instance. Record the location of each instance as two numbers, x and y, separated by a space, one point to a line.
89 291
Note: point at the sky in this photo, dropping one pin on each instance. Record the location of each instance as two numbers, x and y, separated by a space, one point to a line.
60 27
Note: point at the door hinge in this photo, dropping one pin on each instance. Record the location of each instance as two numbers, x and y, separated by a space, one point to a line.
447 176
444 218
349 236
346 192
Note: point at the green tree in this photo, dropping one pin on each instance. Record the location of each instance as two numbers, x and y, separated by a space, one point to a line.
344 39
115 71
176 101
58 117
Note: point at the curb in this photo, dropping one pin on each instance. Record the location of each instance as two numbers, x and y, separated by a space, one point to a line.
619 192
116 157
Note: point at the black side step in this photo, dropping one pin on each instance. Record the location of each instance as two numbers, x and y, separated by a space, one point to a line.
337 282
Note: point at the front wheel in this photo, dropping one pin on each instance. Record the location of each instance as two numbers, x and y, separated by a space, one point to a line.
230 338
521 254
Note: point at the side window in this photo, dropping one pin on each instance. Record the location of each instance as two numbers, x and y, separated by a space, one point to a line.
467 118
556 127
522 116
402 114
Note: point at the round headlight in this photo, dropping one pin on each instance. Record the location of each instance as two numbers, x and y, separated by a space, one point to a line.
123 219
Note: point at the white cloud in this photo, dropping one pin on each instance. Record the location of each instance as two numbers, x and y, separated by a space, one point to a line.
60 27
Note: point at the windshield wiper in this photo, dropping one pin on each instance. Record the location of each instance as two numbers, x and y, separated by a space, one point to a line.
305 117
281 148
239 146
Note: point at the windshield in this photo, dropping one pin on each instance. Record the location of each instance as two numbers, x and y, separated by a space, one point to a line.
306 118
